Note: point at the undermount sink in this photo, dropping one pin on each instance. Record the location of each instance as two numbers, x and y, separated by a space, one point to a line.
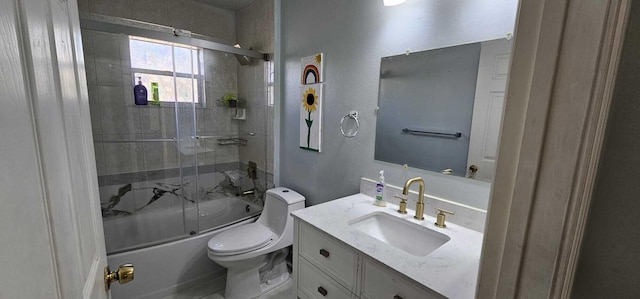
407 236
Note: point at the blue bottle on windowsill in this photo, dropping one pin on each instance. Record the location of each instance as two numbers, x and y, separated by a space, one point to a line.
140 93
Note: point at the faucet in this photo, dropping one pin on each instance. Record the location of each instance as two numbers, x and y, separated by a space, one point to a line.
420 205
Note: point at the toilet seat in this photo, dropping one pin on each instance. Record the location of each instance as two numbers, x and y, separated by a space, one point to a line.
241 239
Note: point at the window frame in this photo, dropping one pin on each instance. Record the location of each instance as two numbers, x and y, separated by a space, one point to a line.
199 78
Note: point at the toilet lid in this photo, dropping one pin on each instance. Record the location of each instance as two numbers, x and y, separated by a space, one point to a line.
241 239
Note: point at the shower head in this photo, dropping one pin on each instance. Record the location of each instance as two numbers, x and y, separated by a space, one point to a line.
242 59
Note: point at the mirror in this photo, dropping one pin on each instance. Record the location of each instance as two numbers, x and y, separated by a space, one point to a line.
441 109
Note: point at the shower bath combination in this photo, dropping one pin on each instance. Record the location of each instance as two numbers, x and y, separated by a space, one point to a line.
158 185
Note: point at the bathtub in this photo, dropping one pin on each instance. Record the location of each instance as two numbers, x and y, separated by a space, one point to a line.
162 269
144 229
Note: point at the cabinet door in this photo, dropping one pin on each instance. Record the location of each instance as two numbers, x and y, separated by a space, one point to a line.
332 257
380 282
313 283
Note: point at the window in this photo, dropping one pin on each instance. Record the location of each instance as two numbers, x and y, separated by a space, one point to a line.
175 67
270 83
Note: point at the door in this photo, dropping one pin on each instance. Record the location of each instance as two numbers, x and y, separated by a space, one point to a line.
493 70
50 224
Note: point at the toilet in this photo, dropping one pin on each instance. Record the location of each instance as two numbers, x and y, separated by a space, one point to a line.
255 254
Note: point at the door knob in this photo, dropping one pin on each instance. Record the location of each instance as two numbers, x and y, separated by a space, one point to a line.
123 275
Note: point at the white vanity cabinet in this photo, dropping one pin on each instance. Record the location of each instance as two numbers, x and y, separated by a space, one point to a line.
380 282
327 268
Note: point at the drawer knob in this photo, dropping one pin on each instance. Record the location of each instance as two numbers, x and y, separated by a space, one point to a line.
397 297
322 291
324 253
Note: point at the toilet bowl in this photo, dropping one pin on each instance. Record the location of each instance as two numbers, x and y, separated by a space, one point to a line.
255 254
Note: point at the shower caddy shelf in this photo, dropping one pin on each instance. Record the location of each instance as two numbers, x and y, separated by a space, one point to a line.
232 141
241 103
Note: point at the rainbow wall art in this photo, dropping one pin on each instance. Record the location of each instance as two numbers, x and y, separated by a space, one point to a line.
311 102
312 69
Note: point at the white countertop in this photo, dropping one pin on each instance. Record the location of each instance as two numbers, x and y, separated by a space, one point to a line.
451 270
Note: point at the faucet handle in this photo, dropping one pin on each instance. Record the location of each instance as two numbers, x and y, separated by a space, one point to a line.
403 204
442 211
402 198
441 217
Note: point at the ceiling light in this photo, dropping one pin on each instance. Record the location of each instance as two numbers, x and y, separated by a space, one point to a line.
393 2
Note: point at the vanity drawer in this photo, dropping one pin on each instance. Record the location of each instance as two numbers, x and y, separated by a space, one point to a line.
337 260
313 284
381 283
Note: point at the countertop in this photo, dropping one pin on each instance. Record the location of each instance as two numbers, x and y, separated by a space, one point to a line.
451 270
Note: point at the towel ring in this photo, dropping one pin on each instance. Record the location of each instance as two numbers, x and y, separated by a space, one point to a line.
352 115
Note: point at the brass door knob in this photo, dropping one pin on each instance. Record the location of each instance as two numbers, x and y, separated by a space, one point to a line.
122 276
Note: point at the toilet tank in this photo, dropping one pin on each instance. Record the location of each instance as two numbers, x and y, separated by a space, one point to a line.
279 203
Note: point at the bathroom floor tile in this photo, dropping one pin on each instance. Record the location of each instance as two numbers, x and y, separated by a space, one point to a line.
284 291
200 291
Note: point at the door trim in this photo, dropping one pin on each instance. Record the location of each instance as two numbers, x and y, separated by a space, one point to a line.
592 148
558 98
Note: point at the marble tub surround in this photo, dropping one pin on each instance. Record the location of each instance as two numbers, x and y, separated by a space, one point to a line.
451 270
464 215
154 207
127 194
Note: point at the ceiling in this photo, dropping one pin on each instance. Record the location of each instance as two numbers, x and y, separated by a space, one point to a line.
232 5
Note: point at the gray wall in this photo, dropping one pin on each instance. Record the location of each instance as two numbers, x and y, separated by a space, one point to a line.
354 35
609 266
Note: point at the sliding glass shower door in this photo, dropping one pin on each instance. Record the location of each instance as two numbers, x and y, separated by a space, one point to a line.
194 158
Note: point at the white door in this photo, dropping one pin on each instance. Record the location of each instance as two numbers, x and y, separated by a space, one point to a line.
51 238
493 70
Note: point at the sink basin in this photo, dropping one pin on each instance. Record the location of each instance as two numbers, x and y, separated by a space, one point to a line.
402 234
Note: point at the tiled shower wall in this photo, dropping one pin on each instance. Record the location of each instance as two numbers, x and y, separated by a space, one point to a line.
255 29
115 117
184 14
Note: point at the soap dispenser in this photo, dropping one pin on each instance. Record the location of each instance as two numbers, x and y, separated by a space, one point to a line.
380 200
140 93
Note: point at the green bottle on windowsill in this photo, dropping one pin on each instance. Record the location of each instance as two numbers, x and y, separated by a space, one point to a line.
155 95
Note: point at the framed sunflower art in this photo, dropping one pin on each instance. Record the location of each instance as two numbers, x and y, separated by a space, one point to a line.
311 117
312 69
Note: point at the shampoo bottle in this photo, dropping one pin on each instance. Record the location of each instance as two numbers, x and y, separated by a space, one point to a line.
380 200
140 93
155 94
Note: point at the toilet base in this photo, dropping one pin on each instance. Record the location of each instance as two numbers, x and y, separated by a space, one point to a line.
245 279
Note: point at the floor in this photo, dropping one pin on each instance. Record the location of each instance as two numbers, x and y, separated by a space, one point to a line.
213 291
